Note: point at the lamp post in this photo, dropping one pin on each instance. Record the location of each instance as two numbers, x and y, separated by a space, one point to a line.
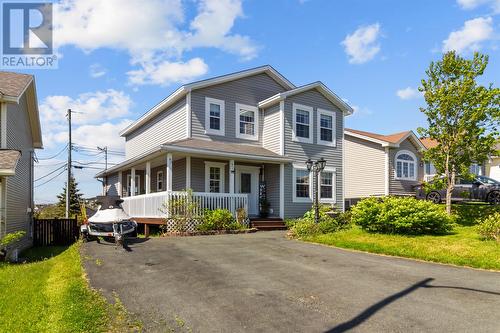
316 168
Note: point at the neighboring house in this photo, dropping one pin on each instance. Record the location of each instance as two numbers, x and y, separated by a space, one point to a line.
493 165
233 139
430 170
20 135
378 165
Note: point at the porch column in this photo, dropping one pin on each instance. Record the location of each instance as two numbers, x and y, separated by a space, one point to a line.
120 188
231 176
169 172
282 191
188 172
132 182
147 177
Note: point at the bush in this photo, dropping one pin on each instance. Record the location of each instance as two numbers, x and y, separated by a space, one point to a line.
395 215
305 226
489 228
218 219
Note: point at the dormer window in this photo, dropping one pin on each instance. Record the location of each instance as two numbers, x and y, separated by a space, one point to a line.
214 116
247 118
302 123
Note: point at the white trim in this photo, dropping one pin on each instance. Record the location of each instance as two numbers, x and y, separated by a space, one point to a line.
333 199
254 171
282 128
159 179
306 108
367 138
387 171
222 167
147 179
415 165
188 115
120 181
169 172
135 183
238 107
294 184
342 144
332 114
282 191
188 172
322 88
232 171
3 123
221 103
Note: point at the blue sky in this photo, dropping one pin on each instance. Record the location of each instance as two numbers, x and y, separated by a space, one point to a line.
115 64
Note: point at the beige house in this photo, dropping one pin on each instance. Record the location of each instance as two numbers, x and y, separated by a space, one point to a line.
20 135
378 165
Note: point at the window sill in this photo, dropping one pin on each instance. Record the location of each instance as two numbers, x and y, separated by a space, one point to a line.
302 200
406 179
327 143
302 140
247 137
213 132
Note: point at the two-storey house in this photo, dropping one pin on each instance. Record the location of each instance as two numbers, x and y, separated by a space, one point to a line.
234 140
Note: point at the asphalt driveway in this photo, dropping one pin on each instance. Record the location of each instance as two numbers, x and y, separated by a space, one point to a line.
265 283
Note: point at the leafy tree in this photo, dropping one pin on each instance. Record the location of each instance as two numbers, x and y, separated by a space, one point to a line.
75 197
462 115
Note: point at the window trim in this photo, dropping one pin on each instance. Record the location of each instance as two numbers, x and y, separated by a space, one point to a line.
294 192
221 103
415 166
333 171
306 108
137 184
158 179
238 107
222 166
331 113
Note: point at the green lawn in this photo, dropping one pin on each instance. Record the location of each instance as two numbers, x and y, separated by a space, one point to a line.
463 247
51 295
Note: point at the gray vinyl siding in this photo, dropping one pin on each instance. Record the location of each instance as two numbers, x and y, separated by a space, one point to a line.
198 174
300 152
364 168
168 126
272 178
271 131
154 177
249 90
20 187
179 175
112 187
404 187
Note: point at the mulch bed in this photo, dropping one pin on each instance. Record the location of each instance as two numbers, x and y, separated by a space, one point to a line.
208 233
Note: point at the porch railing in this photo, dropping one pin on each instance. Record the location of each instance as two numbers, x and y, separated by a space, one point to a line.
155 205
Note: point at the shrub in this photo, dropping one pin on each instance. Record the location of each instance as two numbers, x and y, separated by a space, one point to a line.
489 228
181 209
218 219
327 224
394 215
7 241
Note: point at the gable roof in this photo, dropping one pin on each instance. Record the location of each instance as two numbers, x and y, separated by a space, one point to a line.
429 143
390 140
185 89
12 87
319 86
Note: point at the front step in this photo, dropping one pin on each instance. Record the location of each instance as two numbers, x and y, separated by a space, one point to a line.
272 223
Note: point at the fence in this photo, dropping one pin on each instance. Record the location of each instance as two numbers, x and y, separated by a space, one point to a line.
55 232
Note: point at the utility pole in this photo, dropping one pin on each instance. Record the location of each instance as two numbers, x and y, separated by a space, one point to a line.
70 148
105 150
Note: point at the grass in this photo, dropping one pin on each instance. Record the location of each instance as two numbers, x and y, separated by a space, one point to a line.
462 247
52 295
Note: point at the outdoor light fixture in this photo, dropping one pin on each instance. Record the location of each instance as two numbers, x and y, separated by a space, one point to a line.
316 168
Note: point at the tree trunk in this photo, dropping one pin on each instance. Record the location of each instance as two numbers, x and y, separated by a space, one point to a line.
449 191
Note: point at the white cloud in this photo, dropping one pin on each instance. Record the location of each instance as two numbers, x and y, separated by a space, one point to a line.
408 93
90 108
362 45
105 134
470 36
157 32
472 4
166 72
361 112
97 70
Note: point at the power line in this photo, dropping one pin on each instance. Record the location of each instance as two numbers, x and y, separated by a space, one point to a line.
51 179
62 166
48 165
49 158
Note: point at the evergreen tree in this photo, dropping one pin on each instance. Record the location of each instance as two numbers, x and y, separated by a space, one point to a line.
75 197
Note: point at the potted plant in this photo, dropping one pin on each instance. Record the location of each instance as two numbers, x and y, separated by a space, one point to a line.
264 208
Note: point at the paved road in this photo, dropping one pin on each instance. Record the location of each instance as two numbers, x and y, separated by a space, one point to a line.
264 283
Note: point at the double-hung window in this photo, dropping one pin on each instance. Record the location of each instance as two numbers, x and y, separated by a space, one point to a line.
406 165
326 127
159 181
247 120
302 185
214 116
326 186
214 177
302 123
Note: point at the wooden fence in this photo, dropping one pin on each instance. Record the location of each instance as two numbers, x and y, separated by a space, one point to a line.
55 232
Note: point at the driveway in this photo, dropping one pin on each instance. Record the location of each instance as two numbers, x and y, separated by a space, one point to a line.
265 283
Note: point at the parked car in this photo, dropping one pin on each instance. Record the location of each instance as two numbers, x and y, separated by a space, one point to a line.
480 188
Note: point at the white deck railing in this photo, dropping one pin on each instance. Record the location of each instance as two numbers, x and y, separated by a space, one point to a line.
155 205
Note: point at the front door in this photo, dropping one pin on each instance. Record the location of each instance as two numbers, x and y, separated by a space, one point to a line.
247 181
